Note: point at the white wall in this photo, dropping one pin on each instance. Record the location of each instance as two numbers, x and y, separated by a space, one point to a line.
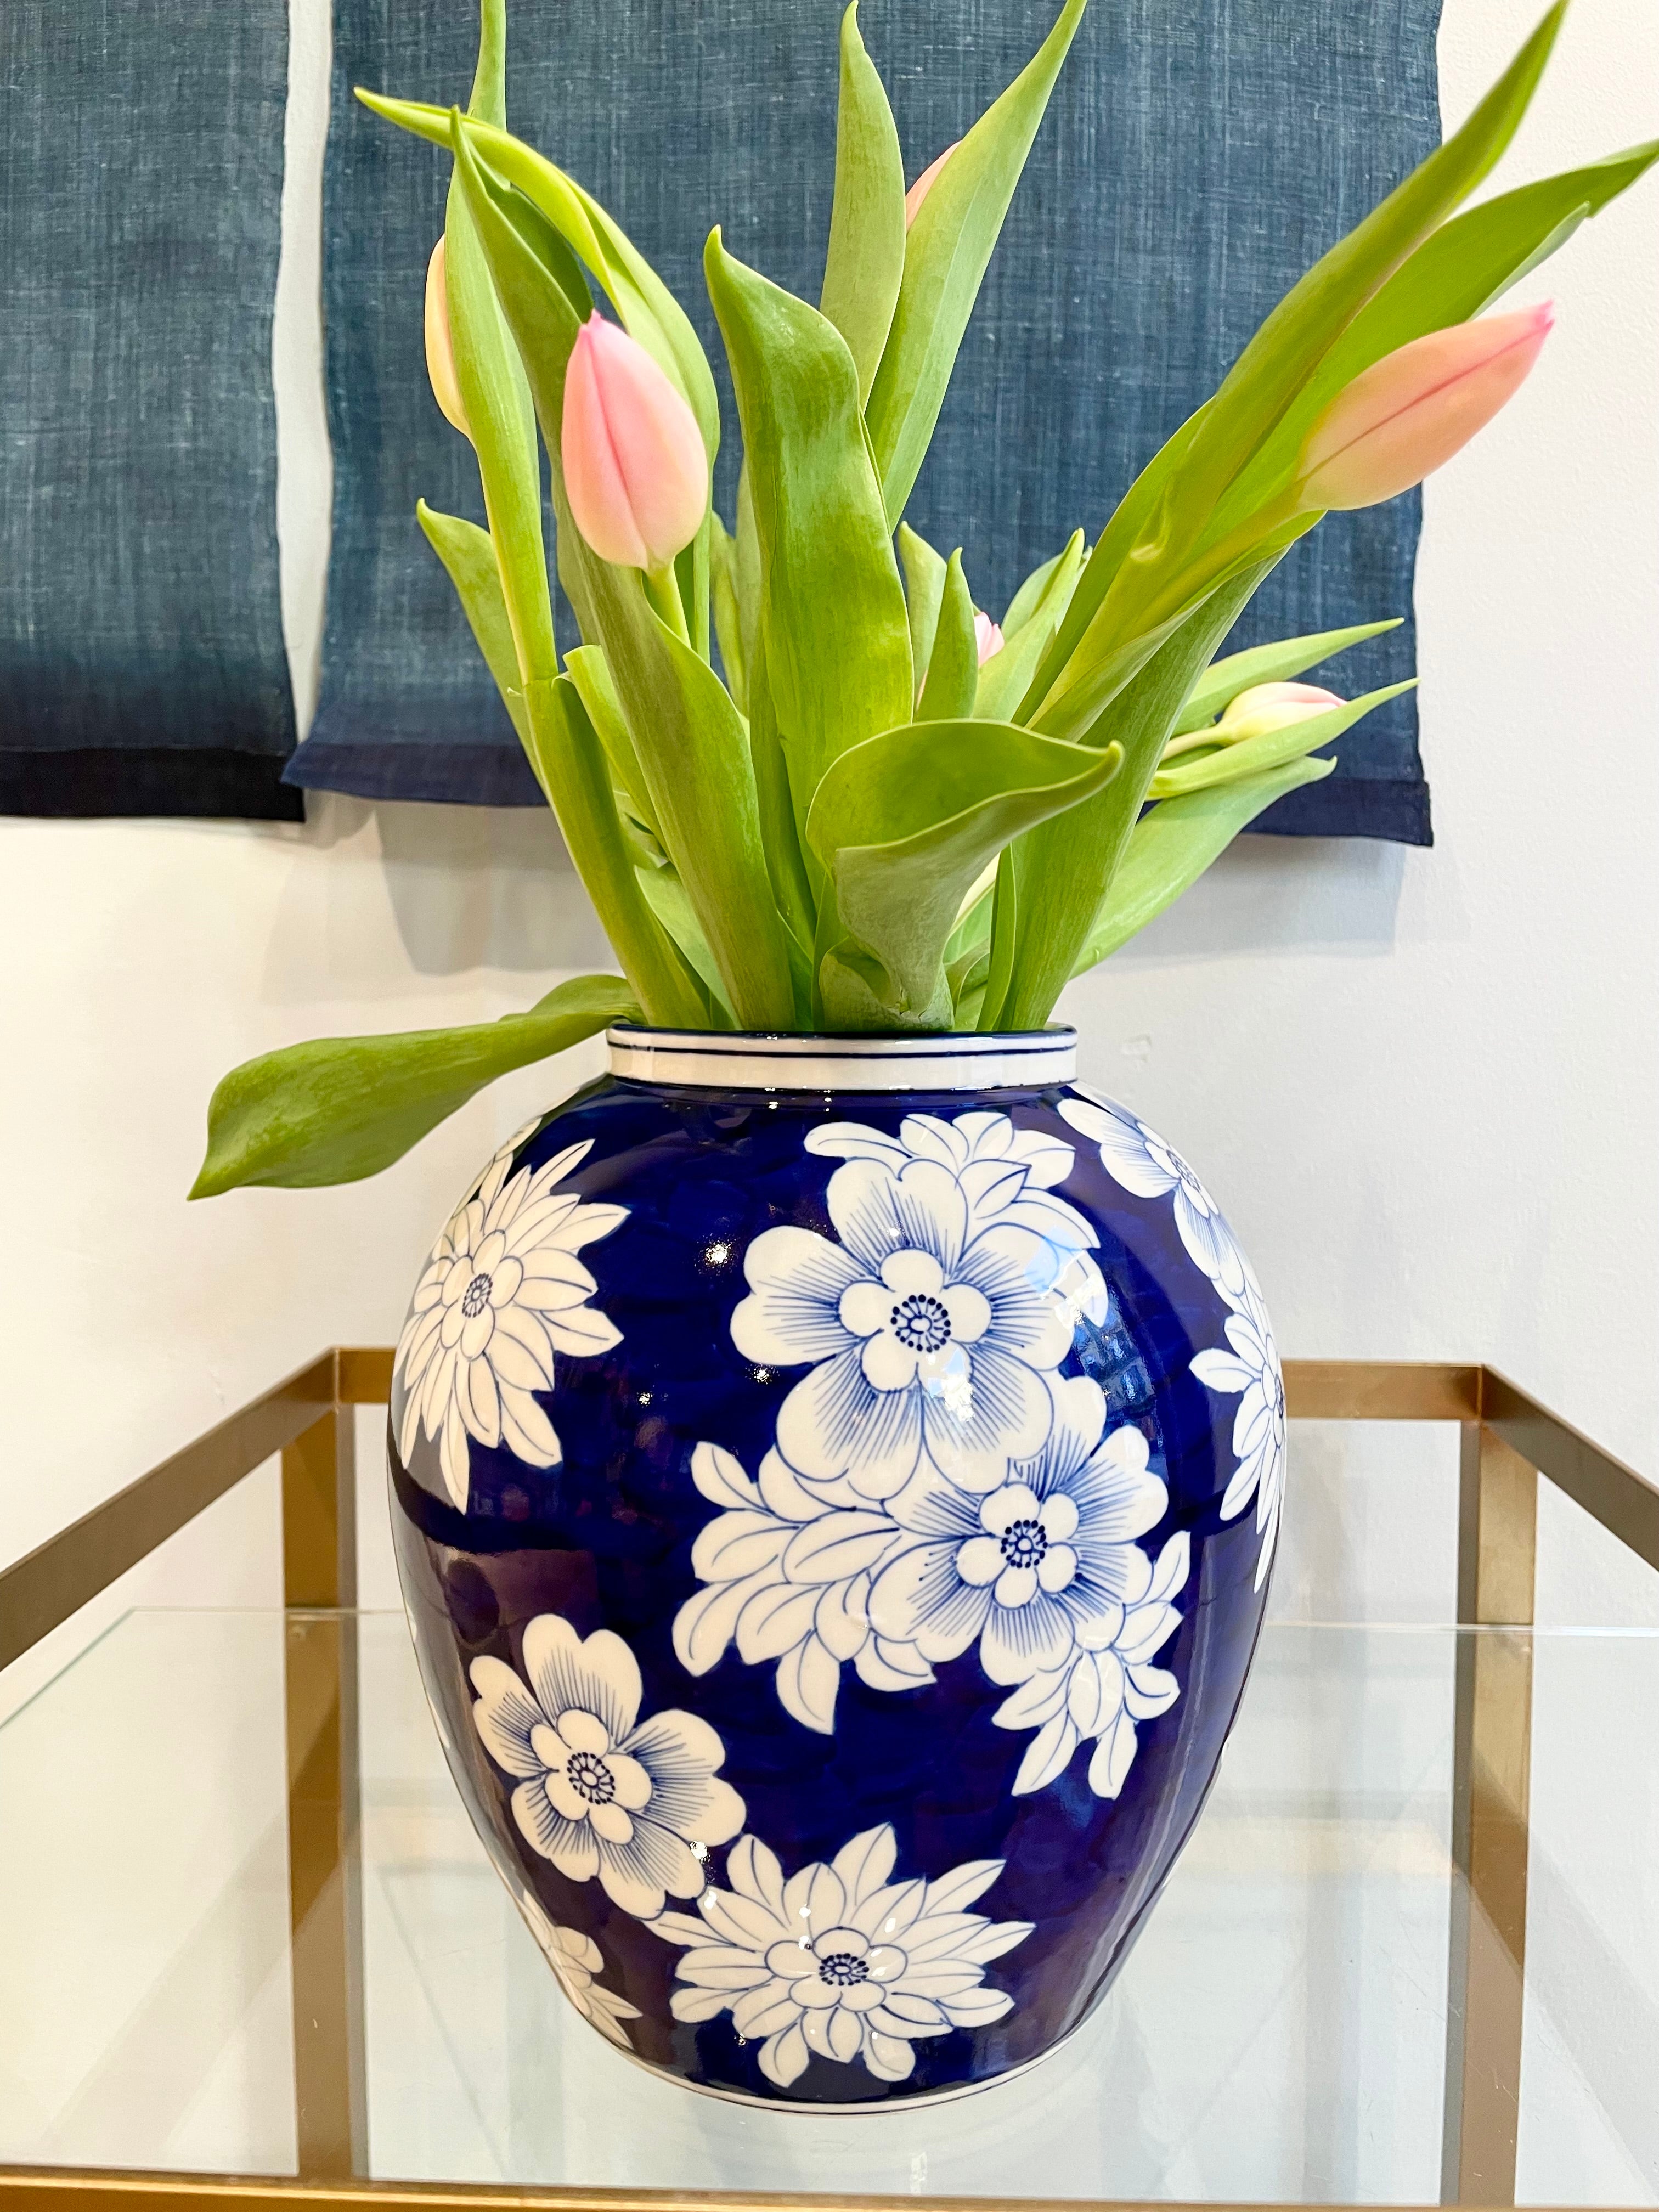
1425 1084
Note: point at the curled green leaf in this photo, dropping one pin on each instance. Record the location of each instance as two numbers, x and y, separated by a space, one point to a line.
339 1109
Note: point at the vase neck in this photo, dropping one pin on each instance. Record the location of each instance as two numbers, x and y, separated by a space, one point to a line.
1022 1060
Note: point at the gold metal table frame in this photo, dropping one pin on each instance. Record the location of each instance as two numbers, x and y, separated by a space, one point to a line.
1508 1440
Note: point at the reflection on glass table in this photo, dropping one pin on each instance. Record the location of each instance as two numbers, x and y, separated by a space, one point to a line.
1300 2020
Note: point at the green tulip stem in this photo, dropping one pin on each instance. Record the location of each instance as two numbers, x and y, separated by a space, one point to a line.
664 593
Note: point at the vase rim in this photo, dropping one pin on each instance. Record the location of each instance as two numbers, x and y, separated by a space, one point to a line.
762 1060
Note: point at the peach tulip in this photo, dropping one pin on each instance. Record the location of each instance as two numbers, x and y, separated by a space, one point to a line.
635 470
1414 408
439 353
925 183
987 636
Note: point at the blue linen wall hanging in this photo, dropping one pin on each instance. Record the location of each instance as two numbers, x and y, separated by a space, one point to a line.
142 664
1198 155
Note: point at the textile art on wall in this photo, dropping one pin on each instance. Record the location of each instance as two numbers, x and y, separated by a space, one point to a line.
141 662
1175 122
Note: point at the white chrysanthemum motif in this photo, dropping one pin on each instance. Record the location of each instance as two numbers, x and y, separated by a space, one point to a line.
1045 1564
1138 1159
578 1962
1101 1694
1250 1367
600 1791
789 1580
954 1291
840 1960
501 1293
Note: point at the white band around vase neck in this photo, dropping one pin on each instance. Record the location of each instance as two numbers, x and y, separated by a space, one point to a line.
1022 1060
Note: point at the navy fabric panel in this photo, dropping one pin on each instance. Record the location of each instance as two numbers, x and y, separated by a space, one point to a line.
141 665
1198 155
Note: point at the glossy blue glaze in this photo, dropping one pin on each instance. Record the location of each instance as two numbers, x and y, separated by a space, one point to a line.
603 1539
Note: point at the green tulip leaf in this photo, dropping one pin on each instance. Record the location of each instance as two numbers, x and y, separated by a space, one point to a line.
339 1109
1004 937
1174 843
585 668
469 558
945 257
1005 675
834 619
785 863
496 397
727 610
665 895
924 593
1066 865
905 822
694 752
865 265
1223 680
953 666
1023 604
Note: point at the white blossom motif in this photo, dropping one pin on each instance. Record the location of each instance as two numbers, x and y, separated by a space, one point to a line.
600 1792
1250 1367
789 1579
501 1293
1139 1160
1148 1168
1101 1694
578 1962
954 1291
1042 1567
840 1960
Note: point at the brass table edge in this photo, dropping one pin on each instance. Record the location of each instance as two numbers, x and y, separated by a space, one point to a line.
33 2190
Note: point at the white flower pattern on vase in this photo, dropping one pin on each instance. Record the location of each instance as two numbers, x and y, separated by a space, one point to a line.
1043 1565
954 1291
578 1962
1138 1159
1250 1368
1103 1694
840 1960
788 1578
600 1791
501 1293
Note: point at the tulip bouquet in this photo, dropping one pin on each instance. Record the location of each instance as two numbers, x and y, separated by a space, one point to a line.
894 812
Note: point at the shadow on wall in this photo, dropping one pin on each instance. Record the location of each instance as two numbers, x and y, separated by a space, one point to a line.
465 890
470 889
1274 894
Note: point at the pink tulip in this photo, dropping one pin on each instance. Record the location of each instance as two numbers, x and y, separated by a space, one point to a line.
1256 713
635 470
439 353
925 183
987 636
1271 707
1413 410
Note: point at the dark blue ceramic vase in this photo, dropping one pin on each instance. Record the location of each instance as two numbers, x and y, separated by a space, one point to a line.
834 1482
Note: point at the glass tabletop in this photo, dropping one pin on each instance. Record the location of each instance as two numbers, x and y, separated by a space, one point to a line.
1280 2032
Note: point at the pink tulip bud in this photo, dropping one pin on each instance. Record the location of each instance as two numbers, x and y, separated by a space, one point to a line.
925 183
1413 410
1268 707
439 353
987 636
635 470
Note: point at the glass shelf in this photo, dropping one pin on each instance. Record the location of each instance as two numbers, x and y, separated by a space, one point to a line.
1279 2034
